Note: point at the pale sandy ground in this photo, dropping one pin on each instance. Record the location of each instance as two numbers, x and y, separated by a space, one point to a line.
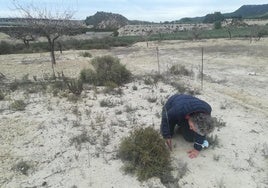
41 135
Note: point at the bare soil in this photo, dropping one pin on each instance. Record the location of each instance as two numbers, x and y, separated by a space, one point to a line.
235 84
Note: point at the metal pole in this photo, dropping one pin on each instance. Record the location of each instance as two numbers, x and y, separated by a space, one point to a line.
157 54
202 68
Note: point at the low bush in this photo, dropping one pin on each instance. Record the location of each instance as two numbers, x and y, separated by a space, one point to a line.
145 153
75 86
152 99
78 140
86 54
106 69
88 76
148 81
22 167
180 70
110 87
18 105
107 103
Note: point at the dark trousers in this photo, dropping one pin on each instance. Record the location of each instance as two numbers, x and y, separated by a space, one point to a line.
187 133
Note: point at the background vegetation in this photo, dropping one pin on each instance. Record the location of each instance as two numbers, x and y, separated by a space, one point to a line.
108 42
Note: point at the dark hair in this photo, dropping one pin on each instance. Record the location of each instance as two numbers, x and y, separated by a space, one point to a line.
203 122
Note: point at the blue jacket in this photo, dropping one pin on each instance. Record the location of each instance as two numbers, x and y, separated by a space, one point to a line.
175 111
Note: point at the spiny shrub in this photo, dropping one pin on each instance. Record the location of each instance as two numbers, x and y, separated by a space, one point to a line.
75 86
107 103
106 69
146 154
180 70
79 139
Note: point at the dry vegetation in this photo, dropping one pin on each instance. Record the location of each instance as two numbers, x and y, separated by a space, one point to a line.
52 136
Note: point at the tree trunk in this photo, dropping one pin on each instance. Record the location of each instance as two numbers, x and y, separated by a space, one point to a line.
27 43
230 34
52 54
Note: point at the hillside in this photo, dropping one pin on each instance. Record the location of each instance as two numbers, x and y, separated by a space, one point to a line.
111 21
245 11
249 11
108 21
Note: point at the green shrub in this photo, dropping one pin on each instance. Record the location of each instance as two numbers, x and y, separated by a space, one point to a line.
106 69
18 105
75 86
134 88
5 48
146 154
22 167
86 54
152 99
73 98
217 25
88 76
107 103
78 140
14 85
35 88
179 86
180 70
148 81
110 87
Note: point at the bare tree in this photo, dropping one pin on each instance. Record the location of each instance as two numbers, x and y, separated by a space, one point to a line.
228 29
195 32
20 32
43 22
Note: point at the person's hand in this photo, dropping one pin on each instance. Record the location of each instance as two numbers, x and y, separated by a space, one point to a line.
193 153
169 143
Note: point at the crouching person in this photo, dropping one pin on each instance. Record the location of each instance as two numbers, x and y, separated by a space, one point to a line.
192 115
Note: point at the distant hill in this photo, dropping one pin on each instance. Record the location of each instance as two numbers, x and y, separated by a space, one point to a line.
110 21
249 11
245 11
105 20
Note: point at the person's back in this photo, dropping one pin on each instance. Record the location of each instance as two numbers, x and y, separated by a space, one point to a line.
191 114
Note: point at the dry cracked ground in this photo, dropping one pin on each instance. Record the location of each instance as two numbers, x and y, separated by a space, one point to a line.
57 142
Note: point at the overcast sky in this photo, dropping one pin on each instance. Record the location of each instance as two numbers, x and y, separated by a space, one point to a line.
146 10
